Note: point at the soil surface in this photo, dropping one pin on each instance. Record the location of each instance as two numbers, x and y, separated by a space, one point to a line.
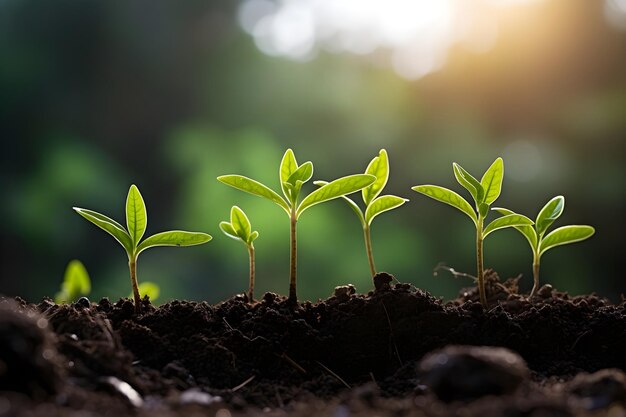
394 351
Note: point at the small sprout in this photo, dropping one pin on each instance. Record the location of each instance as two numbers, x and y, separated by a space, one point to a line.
149 288
561 236
484 193
76 283
292 177
374 204
240 229
130 238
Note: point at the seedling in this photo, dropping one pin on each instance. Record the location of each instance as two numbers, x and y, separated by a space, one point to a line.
539 243
292 176
374 204
484 193
76 283
240 229
130 238
151 289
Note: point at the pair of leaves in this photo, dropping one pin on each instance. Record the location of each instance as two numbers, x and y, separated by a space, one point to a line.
374 204
136 223
561 236
292 177
239 227
76 283
484 193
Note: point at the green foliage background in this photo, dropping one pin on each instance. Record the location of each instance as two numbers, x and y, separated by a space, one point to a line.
97 95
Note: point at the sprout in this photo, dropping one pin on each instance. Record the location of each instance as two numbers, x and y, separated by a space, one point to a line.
240 229
130 238
539 243
484 194
374 204
76 283
292 176
149 289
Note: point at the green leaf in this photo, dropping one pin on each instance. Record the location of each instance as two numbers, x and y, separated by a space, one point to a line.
253 237
564 235
254 187
287 166
449 197
76 283
136 215
334 189
382 204
303 173
510 220
470 183
378 167
151 289
492 181
354 206
108 225
229 231
174 238
549 213
240 223
527 231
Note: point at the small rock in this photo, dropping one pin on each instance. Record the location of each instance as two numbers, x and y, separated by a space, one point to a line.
83 302
195 396
600 389
382 280
545 291
122 388
465 373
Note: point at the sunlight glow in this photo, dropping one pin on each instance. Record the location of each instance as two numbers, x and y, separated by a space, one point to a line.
615 13
415 35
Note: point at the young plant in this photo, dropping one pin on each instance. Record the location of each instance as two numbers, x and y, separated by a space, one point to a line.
240 229
76 283
130 238
484 193
292 176
374 204
539 243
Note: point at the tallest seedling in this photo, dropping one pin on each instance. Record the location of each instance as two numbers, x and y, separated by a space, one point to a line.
136 223
484 193
292 176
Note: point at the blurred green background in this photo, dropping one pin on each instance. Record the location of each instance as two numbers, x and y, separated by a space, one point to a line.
96 95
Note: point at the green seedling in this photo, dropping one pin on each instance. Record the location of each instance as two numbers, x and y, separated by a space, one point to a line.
239 228
151 289
484 193
130 238
292 176
76 283
539 243
374 204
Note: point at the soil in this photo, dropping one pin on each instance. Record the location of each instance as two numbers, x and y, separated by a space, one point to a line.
394 351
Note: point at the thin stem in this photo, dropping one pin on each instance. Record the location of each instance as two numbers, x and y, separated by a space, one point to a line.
368 248
535 275
293 260
479 261
251 289
132 265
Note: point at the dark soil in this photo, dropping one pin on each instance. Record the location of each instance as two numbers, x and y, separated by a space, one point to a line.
350 355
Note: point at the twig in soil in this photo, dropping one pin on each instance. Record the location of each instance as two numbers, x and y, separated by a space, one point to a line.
227 324
578 339
279 399
456 274
334 375
391 336
373 379
292 363
243 384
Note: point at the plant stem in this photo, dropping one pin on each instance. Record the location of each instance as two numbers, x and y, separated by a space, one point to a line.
479 261
132 265
251 289
535 275
293 260
368 248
